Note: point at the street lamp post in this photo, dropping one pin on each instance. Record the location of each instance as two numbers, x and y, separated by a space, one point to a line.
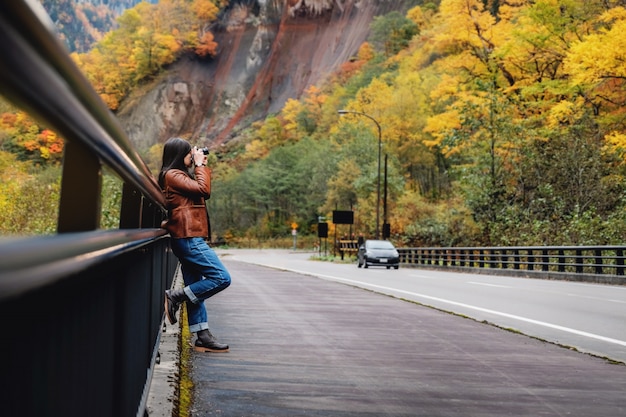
380 145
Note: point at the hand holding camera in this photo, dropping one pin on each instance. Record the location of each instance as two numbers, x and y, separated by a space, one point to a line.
200 156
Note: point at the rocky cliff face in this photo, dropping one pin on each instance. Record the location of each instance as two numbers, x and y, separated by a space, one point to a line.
270 51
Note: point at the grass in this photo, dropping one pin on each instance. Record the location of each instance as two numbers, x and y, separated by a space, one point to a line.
185 389
335 259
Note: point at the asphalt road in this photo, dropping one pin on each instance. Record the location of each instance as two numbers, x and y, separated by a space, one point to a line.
588 317
304 346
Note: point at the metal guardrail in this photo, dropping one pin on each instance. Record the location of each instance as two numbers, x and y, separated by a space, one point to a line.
591 263
82 309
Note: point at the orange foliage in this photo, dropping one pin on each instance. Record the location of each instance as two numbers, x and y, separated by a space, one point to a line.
51 141
37 143
206 46
8 119
348 70
352 67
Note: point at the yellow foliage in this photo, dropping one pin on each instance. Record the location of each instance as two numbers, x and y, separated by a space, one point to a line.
205 9
447 88
290 114
439 125
600 55
12 176
563 112
149 37
256 149
417 16
341 191
615 142
465 23
314 97
366 52
373 98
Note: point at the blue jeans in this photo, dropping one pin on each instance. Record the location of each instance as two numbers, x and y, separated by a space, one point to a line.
204 276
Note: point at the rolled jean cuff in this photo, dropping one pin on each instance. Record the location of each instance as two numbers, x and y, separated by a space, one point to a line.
190 295
195 328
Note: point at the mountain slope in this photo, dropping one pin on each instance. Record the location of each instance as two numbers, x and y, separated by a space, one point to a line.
269 51
81 23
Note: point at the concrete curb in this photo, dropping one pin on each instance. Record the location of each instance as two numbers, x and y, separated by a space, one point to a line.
162 394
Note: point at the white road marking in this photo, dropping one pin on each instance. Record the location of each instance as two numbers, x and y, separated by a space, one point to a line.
488 285
597 298
423 276
484 310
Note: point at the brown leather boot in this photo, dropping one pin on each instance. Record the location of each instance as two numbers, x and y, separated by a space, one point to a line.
206 342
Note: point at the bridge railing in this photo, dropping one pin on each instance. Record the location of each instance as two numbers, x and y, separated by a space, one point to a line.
573 262
82 309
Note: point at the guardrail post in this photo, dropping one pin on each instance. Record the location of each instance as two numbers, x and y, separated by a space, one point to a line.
531 260
561 260
545 260
619 261
130 212
152 214
81 184
579 261
598 262
516 258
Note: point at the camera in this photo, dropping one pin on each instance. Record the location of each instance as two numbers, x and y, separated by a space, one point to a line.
204 150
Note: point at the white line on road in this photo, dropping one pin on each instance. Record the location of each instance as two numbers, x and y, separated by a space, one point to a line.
488 285
596 298
484 310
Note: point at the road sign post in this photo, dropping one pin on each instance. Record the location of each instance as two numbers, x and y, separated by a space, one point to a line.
294 233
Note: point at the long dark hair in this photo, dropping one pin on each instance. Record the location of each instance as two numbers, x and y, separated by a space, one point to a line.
174 152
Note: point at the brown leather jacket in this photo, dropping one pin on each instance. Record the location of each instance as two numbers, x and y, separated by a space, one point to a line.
185 203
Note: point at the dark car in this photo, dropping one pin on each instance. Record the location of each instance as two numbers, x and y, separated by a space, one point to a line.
378 253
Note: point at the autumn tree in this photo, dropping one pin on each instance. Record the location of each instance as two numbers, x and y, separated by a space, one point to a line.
596 67
206 11
270 193
502 122
28 141
148 37
392 32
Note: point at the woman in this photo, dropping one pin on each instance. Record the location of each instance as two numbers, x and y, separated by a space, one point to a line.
188 224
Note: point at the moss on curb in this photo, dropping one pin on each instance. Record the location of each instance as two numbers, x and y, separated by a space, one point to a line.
185 383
